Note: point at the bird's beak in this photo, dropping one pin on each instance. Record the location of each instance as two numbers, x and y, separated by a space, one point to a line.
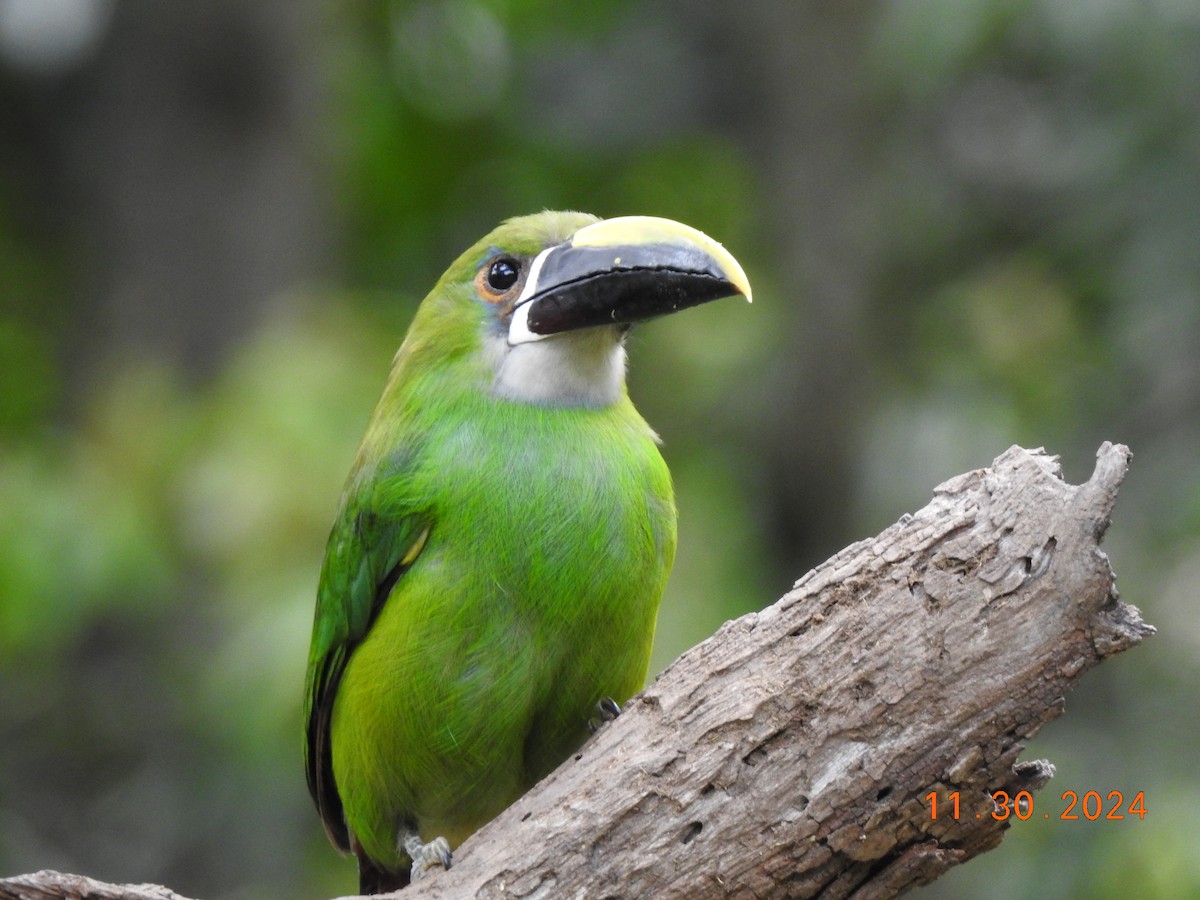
620 271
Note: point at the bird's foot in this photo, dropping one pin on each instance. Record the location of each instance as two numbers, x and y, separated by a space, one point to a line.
425 855
607 709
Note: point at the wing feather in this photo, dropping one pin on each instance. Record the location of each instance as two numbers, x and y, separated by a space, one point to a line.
366 556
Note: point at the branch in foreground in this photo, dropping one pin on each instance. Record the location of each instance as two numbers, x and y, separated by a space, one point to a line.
48 885
790 754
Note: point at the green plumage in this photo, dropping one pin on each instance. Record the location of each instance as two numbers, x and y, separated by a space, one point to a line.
493 572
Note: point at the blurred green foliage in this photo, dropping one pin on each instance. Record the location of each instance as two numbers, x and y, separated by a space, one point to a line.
1020 180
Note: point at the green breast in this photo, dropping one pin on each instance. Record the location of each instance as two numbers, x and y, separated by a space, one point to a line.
552 533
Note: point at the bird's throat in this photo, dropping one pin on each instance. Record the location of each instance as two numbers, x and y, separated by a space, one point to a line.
580 368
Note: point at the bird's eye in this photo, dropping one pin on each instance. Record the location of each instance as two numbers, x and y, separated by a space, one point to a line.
498 279
503 274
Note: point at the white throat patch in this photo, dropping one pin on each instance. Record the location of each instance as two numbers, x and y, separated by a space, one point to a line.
576 368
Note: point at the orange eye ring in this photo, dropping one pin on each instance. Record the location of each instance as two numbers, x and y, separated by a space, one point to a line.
498 278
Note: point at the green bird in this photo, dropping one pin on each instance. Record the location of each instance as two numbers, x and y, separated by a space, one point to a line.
493 575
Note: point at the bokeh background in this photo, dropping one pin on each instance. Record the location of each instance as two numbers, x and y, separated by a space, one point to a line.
969 223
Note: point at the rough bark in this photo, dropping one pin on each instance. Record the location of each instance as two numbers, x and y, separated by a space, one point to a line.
48 885
791 754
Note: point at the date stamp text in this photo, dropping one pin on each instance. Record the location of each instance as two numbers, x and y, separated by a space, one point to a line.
1090 806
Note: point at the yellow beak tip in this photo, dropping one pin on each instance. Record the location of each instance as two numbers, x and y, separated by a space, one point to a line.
647 229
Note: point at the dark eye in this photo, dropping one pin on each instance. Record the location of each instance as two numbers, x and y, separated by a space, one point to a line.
503 274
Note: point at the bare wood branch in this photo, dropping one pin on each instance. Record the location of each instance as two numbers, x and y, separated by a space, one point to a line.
791 754
48 885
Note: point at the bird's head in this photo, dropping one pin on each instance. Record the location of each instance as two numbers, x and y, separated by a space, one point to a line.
546 300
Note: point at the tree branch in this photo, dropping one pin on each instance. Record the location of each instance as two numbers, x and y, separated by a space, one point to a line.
48 885
791 754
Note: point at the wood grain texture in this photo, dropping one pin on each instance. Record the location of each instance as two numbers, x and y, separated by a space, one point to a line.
48 885
790 754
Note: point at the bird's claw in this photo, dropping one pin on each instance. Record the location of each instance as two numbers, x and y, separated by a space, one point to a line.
607 709
426 855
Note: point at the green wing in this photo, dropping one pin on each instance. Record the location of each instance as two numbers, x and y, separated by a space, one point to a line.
367 553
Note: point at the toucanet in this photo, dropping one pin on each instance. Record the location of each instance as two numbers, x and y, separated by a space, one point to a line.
494 570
